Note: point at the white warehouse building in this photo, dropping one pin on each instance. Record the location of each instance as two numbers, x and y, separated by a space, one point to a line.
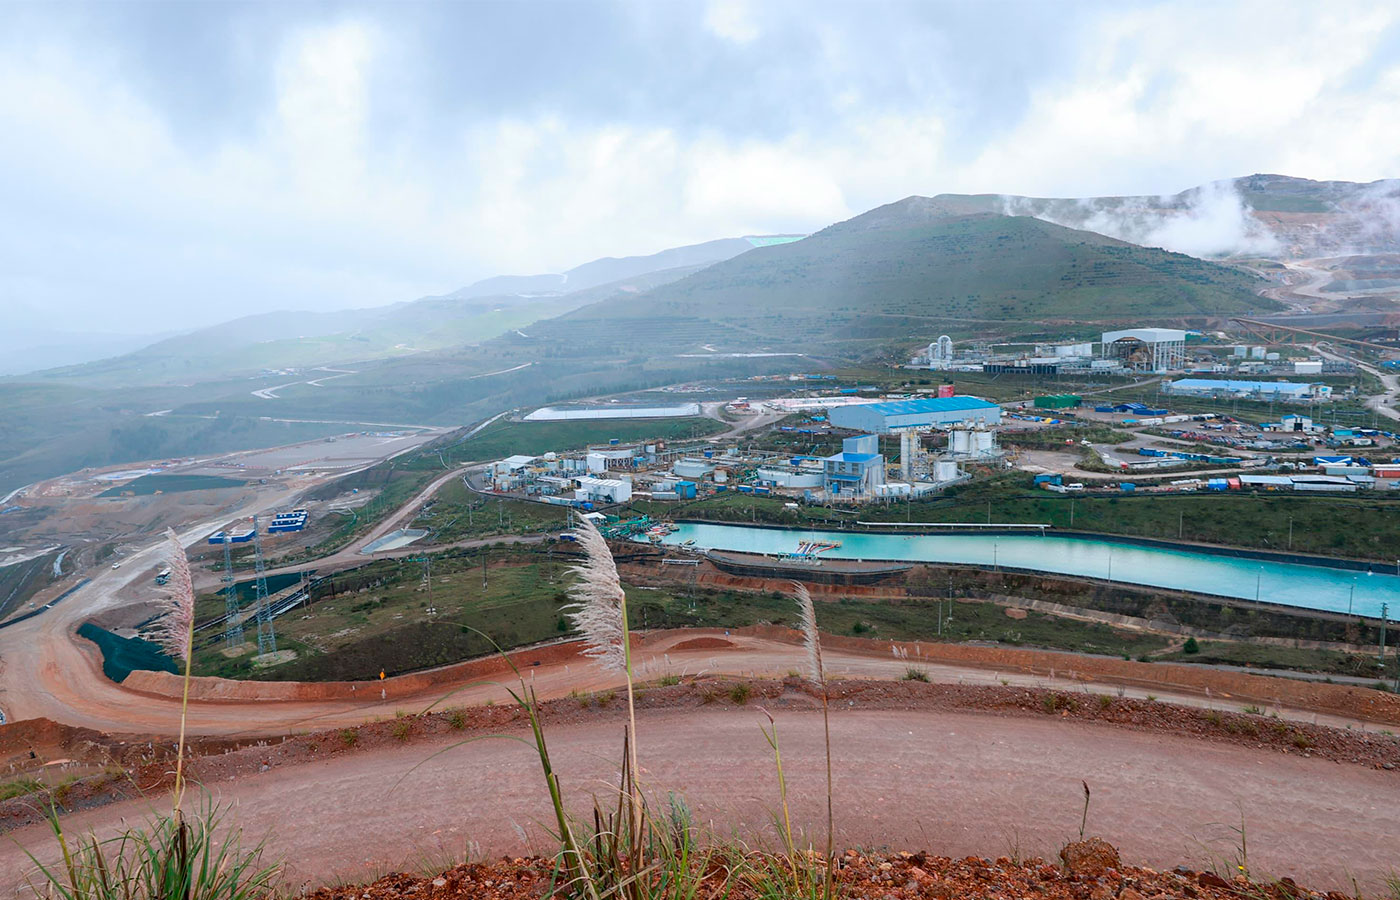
902 415
603 490
1147 349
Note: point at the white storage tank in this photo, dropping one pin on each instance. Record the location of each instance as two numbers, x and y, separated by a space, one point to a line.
945 470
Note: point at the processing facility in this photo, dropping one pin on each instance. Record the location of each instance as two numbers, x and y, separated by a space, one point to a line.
913 415
1146 349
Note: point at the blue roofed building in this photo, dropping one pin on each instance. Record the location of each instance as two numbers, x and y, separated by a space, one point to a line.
857 470
927 412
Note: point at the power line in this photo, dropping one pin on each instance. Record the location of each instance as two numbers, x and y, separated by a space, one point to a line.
267 638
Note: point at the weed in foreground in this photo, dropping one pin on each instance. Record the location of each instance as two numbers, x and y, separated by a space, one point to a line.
914 673
198 857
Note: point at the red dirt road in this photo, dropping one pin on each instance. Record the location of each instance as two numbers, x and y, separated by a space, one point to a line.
950 783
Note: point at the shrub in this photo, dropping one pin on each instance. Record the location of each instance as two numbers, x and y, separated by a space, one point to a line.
1301 741
402 729
1105 701
739 693
670 680
457 719
914 673
1252 710
349 736
1190 646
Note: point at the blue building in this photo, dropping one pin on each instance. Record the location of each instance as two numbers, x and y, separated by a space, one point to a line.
928 412
857 470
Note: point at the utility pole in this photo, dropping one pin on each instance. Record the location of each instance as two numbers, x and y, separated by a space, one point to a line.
1385 614
233 626
484 553
267 637
1290 532
1181 524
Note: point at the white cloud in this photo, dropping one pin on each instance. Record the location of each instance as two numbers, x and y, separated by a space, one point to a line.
325 200
732 20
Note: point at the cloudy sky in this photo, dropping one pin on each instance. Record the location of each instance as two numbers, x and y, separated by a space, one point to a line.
174 164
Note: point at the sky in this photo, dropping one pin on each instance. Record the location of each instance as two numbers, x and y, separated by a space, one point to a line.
171 165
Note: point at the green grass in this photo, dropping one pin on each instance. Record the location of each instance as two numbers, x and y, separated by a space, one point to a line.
20 787
503 439
458 514
377 618
1263 656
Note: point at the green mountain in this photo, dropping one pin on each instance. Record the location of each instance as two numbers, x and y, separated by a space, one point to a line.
920 258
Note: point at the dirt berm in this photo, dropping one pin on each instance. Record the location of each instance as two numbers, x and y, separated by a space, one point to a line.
1261 690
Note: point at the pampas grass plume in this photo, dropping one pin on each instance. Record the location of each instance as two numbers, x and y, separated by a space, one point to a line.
811 641
598 606
173 628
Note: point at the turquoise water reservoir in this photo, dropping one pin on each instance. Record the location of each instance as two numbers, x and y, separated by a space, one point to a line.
1287 583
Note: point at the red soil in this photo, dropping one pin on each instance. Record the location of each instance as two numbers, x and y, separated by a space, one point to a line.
899 876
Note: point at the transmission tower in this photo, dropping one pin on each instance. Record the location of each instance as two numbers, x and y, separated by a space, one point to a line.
233 625
267 638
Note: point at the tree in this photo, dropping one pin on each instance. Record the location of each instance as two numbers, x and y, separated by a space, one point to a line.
1190 646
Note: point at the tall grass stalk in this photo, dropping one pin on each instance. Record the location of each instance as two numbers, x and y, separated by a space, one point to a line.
770 734
599 611
811 640
175 634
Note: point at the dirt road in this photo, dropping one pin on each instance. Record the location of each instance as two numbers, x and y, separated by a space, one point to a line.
66 685
952 783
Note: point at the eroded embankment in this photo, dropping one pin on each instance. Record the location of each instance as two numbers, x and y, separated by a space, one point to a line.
1348 701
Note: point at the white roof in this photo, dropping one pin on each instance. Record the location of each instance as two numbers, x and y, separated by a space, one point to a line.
590 481
1146 335
516 462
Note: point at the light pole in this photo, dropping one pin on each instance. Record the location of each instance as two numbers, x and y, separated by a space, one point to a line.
1110 563
1258 582
1290 534
1351 599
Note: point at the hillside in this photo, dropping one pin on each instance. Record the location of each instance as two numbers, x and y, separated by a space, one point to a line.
915 259
1270 216
610 269
298 340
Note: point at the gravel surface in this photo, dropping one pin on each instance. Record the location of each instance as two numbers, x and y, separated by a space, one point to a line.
916 771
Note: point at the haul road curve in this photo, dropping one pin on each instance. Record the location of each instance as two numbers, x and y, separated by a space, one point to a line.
953 784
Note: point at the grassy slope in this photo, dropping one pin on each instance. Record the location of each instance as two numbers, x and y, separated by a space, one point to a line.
378 618
896 262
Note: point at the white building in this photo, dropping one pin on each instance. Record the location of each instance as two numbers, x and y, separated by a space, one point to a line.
602 490
940 353
1147 349
1253 390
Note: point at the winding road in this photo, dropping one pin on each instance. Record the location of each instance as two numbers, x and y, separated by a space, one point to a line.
952 783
